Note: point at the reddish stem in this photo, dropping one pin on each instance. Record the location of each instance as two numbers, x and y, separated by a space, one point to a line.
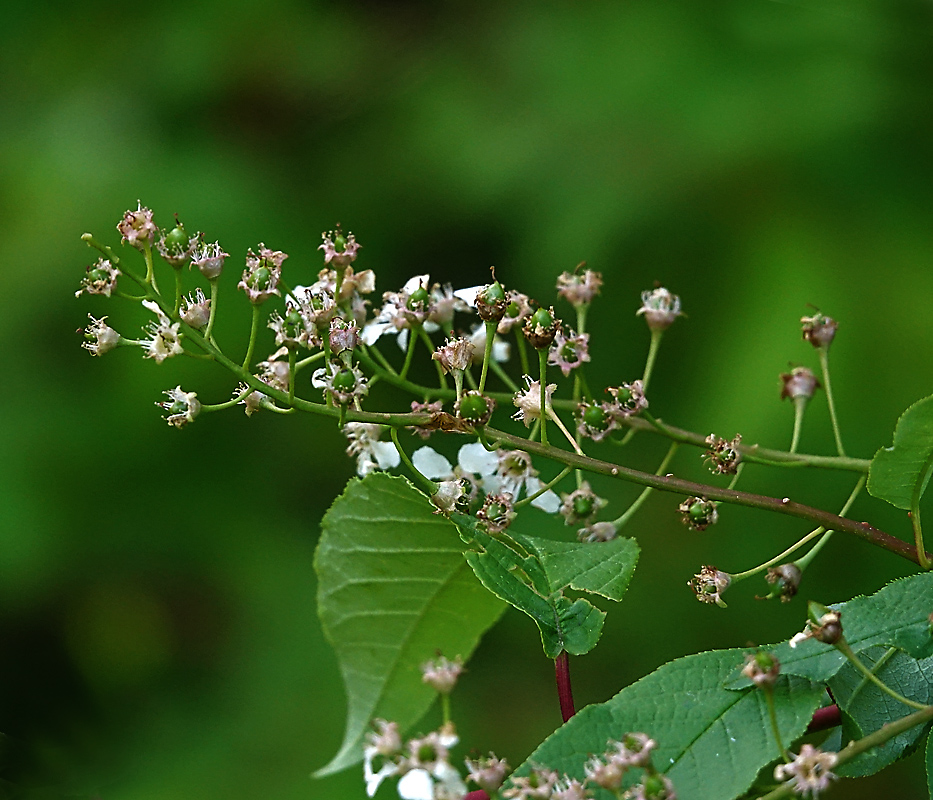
564 690
479 794
823 718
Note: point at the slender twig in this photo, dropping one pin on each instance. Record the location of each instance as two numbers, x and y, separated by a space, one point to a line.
564 688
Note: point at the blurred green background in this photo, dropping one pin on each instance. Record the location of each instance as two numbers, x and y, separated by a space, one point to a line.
158 636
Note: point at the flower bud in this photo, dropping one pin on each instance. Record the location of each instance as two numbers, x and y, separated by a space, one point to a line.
344 336
442 673
196 310
456 354
597 532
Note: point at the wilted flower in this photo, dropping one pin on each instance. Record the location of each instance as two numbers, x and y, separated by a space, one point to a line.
761 668
182 407
344 336
516 312
723 456
487 772
339 250
442 673
137 227
99 337
164 338
652 787
497 512
819 330
176 246
568 353
541 328
698 513
568 788
537 785
196 309
580 505
411 306
799 382
709 584
628 400
261 276
828 630
344 384
456 354
809 773
209 258
660 308
579 289
101 278
598 532
596 420
786 578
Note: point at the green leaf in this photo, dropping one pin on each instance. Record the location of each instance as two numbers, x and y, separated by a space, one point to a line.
574 626
897 615
392 590
712 742
900 474
929 759
603 568
866 708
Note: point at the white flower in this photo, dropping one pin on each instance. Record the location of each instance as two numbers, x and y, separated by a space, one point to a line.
506 471
182 407
660 308
501 351
370 452
528 402
399 313
99 337
164 340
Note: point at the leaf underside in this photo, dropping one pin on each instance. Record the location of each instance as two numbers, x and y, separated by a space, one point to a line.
900 474
393 590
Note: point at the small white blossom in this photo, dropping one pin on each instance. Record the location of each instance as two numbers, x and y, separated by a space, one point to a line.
528 402
209 258
442 673
660 308
101 278
370 452
196 309
164 338
99 337
182 407
137 227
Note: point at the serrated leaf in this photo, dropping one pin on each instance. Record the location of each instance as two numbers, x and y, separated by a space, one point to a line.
929 760
711 741
900 474
603 568
392 590
898 615
574 626
866 708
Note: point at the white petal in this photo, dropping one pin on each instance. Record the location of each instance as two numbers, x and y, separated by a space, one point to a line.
477 459
416 784
386 454
403 339
468 296
501 351
416 282
317 379
450 779
431 464
373 330
373 779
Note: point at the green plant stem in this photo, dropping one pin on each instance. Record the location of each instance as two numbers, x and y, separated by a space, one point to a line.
843 647
445 708
677 485
652 356
875 669
522 351
423 335
487 352
856 748
775 729
542 373
544 487
379 357
210 320
150 269
503 376
804 561
291 377
409 354
177 291
426 484
228 404
552 415
253 331
827 386
800 405
630 512
300 365
918 531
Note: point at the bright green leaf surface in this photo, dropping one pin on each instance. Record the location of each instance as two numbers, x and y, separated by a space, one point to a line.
898 615
900 474
867 708
574 626
393 590
711 741
603 568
